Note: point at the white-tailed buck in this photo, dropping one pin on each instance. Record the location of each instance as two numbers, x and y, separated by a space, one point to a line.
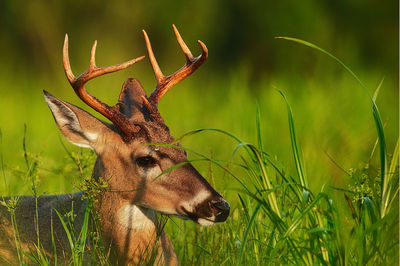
130 166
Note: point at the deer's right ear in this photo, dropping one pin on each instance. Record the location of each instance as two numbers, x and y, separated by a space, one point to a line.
78 126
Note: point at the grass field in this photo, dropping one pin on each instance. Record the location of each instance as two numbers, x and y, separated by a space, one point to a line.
306 178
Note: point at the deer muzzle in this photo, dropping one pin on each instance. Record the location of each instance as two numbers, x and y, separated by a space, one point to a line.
221 209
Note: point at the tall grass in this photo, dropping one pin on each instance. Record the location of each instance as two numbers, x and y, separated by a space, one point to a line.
308 228
279 220
277 215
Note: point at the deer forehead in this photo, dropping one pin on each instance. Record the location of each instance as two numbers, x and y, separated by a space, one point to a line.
111 143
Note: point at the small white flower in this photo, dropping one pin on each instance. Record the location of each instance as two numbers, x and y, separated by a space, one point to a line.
238 243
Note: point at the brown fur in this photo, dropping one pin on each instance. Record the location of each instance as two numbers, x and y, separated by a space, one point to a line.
132 169
127 211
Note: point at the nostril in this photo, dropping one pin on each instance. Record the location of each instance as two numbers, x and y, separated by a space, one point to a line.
221 205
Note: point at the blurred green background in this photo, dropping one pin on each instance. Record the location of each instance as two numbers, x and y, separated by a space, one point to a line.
246 67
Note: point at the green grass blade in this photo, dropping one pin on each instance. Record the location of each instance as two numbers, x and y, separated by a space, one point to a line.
42 260
296 190
179 165
295 148
296 222
311 45
207 129
258 128
271 242
322 239
377 90
216 162
84 230
376 115
266 180
370 208
2 163
305 198
249 225
53 242
387 203
382 156
31 257
67 232
246 211
394 162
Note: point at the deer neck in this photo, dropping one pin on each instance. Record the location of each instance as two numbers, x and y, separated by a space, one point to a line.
120 214
129 231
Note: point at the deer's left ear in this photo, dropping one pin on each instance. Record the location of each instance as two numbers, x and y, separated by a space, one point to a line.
78 126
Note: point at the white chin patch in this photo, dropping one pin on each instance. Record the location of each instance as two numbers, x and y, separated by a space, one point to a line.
205 222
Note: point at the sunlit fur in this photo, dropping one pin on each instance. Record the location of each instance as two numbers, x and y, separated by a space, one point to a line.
127 212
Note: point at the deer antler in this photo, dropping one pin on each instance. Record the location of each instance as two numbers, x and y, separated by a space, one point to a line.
166 83
110 112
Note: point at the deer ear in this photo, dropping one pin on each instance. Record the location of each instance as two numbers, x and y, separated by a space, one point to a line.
78 126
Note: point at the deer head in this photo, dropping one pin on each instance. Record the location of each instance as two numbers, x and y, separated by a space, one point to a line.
125 159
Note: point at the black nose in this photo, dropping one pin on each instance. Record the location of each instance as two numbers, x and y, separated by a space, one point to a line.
222 207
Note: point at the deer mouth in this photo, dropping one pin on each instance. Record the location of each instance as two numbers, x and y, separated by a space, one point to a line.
219 212
196 218
181 216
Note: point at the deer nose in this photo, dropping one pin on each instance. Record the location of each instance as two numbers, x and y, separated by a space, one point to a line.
222 207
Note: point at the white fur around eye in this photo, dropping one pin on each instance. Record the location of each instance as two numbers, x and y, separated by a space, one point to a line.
151 172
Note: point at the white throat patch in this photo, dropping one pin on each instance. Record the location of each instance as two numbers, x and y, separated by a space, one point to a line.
132 217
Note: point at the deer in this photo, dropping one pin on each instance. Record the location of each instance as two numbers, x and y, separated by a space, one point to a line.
132 165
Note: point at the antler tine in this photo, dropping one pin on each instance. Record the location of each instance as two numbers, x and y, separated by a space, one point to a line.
92 62
110 112
166 83
157 70
67 65
182 44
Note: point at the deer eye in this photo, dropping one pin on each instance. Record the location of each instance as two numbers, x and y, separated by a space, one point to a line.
146 161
